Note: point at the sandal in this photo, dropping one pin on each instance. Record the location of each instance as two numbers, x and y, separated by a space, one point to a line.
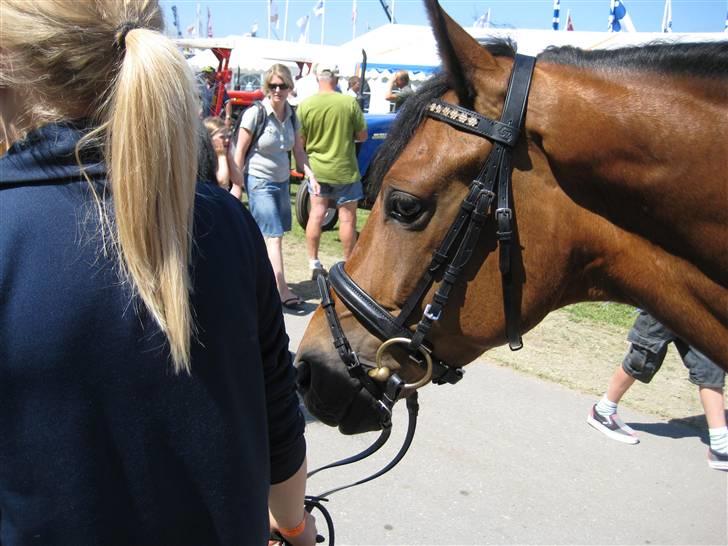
294 303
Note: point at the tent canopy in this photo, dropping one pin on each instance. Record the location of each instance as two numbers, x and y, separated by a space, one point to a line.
402 44
258 54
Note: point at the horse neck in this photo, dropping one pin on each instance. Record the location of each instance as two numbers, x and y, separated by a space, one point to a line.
644 192
642 150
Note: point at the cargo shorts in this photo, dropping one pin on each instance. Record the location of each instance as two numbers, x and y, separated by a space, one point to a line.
648 346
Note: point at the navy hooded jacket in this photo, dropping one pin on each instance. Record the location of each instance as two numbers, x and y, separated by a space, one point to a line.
100 441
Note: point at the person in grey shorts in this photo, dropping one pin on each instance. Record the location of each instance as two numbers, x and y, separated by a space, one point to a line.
648 346
331 124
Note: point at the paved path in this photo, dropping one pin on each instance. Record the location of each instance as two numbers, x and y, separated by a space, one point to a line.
505 458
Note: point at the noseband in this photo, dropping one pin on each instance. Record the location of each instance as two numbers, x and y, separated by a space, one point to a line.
448 261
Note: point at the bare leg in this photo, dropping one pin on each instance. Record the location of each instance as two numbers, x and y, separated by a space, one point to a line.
347 227
603 415
313 226
274 245
619 384
713 405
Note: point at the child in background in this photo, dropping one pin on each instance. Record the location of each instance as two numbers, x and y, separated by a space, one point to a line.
220 138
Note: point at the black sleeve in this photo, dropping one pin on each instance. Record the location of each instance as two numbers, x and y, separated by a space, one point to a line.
285 420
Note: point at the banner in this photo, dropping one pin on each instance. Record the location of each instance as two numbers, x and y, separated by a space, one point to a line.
318 9
483 21
619 19
667 17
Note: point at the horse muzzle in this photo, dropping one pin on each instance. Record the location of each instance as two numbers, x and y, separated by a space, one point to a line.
334 398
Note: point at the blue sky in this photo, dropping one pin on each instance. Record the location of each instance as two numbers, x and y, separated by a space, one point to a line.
238 16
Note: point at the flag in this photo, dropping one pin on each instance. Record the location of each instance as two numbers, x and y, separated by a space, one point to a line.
555 20
726 23
302 24
619 19
483 21
209 23
569 21
191 30
198 23
176 21
354 12
273 13
318 9
667 17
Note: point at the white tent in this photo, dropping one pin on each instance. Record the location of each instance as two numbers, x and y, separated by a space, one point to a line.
258 54
412 44
394 46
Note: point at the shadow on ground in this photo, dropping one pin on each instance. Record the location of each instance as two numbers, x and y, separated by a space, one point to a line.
694 426
308 290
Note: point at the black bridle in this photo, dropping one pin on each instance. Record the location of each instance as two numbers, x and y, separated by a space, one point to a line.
491 186
448 262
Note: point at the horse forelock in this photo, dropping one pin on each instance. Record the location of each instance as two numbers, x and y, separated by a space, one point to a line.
408 120
703 60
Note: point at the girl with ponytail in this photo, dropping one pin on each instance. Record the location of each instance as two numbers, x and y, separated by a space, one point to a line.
126 414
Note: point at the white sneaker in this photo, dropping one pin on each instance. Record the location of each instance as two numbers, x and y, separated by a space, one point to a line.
612 426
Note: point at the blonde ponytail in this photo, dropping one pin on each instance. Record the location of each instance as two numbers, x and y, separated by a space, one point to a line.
103 60
152 161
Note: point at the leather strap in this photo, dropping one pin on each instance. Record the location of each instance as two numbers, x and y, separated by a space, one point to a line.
472 122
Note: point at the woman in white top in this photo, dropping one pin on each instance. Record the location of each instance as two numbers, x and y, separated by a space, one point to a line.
265 171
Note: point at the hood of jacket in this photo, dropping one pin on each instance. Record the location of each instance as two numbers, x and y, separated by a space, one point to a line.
48 154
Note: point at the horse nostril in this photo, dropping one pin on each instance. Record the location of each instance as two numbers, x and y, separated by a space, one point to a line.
303 377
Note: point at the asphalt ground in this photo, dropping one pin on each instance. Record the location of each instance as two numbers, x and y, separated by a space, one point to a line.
506 458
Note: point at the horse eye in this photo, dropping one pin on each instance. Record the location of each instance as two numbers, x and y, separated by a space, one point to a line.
404 207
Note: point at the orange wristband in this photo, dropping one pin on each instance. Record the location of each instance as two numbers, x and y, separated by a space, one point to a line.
297 530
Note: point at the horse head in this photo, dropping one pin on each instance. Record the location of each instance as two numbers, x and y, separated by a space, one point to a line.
424 175
569 240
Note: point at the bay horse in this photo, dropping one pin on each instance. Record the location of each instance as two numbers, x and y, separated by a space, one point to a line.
618 192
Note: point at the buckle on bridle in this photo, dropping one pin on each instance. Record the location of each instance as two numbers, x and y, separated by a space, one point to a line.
504 220
506 213
430 315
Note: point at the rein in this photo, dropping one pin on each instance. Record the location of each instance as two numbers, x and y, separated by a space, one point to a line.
493 182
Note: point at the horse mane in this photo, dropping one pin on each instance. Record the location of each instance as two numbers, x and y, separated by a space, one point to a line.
704 60
408 119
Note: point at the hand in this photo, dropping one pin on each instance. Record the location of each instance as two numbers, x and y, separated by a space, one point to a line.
306 538
220 142
314 187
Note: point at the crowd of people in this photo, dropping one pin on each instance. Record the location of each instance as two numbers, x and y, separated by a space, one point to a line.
147 392
319 134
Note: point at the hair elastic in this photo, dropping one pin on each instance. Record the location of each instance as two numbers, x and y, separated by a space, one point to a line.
121 32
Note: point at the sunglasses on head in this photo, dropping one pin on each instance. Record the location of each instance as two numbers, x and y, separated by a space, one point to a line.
279 86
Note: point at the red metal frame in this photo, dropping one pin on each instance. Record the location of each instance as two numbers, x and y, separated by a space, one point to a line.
222 77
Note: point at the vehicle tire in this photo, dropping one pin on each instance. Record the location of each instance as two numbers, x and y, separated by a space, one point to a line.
303 208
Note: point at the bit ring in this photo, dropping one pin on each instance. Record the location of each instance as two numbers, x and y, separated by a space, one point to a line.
380 374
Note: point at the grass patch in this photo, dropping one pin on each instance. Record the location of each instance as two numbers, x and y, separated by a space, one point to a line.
612 314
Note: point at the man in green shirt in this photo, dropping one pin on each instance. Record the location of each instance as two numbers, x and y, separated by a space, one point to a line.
331 123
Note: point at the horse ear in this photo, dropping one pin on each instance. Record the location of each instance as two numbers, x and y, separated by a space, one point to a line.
460 53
